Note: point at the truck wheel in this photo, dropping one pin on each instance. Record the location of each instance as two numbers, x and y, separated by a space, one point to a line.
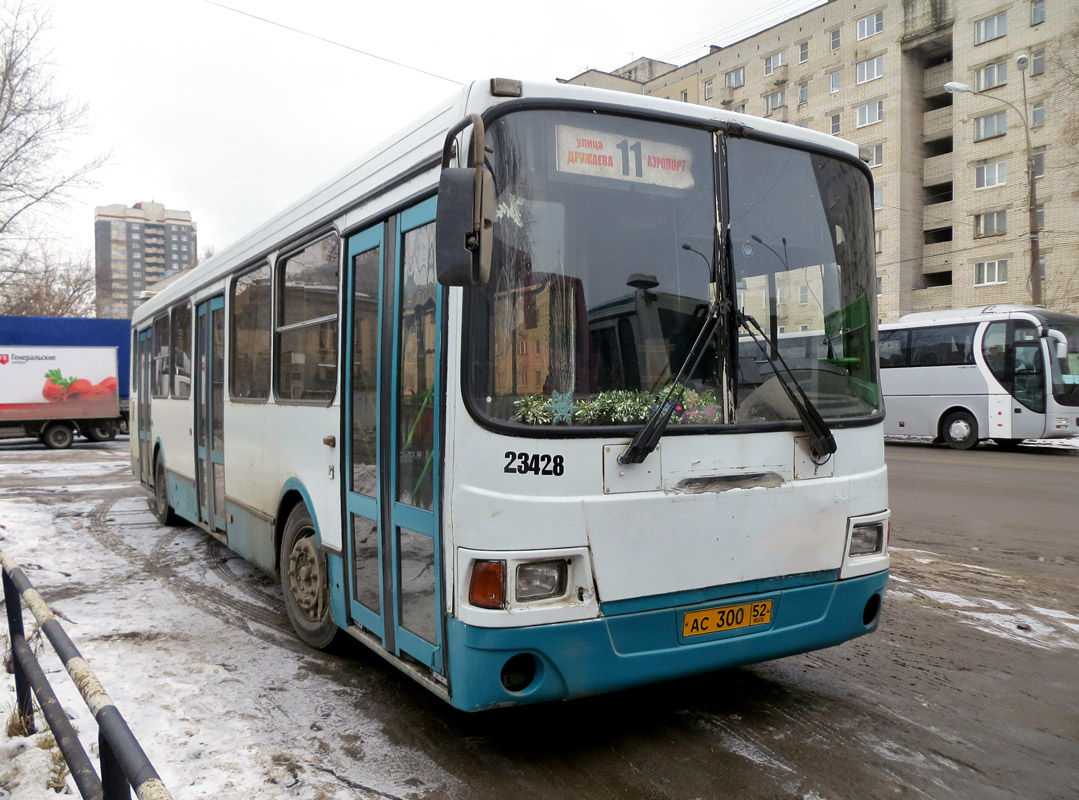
159 500
58 436
101 432
305 580
960 430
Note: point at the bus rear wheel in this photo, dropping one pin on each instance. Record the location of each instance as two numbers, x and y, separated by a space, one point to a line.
305 581
960 430
159 500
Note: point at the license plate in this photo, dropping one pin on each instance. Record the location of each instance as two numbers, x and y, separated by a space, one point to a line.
726 618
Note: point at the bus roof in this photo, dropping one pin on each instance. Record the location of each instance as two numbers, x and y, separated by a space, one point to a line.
974 314
408 163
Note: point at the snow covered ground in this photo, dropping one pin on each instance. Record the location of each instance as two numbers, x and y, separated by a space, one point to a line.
190 642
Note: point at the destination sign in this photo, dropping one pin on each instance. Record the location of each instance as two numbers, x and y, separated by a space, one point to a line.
603 154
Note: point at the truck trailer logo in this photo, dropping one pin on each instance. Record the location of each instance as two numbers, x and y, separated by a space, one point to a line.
4 358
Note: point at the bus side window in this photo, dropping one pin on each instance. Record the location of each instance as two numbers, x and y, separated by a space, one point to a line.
892 349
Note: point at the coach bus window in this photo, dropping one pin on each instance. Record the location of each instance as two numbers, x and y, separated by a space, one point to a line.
948 345
416 370
181 350
249 366
893 349
307 323
802 250
160 349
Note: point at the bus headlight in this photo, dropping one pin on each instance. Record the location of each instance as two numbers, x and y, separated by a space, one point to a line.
867 538
540 580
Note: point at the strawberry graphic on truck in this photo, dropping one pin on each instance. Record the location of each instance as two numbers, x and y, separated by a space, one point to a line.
59 389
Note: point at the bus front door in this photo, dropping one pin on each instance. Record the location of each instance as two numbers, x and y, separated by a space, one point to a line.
209 412
144 361
391 418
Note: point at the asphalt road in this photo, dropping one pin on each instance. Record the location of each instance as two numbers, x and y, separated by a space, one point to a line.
969 689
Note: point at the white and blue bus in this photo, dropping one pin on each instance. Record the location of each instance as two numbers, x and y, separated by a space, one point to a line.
402 397
1003 372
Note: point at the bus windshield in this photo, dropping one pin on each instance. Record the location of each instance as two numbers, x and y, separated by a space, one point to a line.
1064 360
604 272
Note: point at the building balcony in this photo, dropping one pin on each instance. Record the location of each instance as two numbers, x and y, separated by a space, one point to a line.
934 79
937 169
937 124
780 114
938 215
725 95
778 76
937 257
931 299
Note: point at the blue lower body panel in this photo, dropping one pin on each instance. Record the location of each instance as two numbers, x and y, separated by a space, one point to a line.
575 659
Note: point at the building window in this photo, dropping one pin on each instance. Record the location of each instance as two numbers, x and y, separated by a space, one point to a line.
803 52
994 174
136 235
833 82
991 76
871 25
990 126
708 90
739 109
774 101
1037 12
1037 114
994 223
803 92
685 96
870 69
870 113
878 198
1039 216
875 153
987 273
878 243
880 284
1037 62
836 39
803 294
1038 159
833 122
985 30
735 78
774 61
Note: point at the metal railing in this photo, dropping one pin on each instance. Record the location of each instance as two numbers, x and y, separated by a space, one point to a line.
123 763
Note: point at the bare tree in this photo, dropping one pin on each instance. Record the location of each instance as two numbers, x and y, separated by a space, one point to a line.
49 283
35 128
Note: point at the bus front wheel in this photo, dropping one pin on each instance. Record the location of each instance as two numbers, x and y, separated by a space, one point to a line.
305 581
960 430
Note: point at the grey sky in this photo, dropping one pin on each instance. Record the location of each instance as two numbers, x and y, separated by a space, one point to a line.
232 119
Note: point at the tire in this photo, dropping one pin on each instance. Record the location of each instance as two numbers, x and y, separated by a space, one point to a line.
1008 444
305 581
101 432
58 436
159 498
960 430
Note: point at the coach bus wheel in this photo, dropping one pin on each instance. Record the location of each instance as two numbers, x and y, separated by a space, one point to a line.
101 432
305 581
58 436
159 500
960 430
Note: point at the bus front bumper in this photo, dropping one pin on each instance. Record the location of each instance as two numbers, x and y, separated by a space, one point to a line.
575 659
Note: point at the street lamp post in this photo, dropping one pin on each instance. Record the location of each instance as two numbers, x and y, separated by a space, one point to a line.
955 87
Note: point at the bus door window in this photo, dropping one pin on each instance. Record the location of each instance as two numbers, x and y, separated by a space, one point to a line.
1012 351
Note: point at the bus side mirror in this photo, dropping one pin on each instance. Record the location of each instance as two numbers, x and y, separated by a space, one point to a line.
464 237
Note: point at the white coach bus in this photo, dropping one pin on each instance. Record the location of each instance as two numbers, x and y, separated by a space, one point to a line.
398 396
1004 372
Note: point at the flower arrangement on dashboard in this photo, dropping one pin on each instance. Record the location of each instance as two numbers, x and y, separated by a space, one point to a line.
617 407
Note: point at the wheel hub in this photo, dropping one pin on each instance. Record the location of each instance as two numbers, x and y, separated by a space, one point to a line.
307 577
959 430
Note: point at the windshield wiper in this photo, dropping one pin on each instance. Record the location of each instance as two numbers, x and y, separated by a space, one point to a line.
649 435
821 442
